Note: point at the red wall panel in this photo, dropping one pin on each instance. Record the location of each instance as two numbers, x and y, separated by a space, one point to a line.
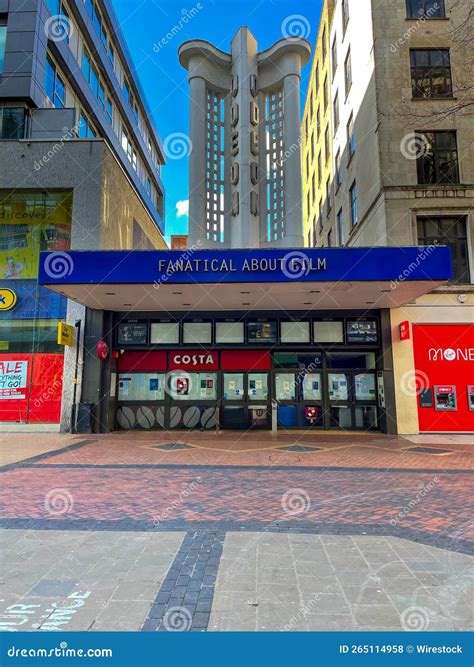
147 361
444 355
43 390
240 360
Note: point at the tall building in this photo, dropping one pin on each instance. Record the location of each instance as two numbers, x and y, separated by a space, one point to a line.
245 165
403 174
80 169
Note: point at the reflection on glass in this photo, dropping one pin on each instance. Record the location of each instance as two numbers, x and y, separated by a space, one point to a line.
184 386
229 332
338 387
366 416
312 387
365 387
295 332
141 387
285 386
164 333
258 386
234 386
328 332
197 332
341 416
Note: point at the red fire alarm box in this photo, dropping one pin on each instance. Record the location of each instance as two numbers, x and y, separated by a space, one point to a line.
405 330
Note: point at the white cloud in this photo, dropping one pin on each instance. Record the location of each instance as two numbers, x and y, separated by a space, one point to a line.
182 208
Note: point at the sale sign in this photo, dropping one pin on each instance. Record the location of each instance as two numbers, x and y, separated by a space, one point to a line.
13 376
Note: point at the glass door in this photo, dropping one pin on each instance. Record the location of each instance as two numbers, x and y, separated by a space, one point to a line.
311 409
285 395
365 403
352 398
233 401
340 400
258 398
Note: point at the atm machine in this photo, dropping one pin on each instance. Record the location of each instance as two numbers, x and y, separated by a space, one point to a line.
445 398
470 397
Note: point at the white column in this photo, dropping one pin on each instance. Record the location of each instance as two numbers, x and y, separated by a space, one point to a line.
197 161
292 166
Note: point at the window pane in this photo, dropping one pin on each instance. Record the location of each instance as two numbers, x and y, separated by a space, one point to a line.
328 332
164 333
312 388
258 386
365 387
229 332
285 387
262 332
338 387
13 126
233 386
141 387
197 332
295 332
3 39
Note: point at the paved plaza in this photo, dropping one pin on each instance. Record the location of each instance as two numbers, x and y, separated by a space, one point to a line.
181 531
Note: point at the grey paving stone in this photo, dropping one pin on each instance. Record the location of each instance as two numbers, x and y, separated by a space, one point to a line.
366 595
225 621
273 616
377 616
53 588
135 591
330 622
282 593
235 601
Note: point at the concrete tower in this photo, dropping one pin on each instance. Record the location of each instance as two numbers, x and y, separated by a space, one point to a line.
245 164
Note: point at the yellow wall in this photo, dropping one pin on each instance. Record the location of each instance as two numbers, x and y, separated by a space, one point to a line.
314 136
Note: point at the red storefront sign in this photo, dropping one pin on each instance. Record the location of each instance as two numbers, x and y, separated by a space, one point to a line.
444 358
405 331
193 360
245 360
147 361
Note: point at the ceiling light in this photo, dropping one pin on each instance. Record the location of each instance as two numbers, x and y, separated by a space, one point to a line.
110 294
177 292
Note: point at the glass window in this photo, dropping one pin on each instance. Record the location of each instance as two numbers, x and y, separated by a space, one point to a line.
430 73
184 386
303 361
438 158
348 72
258 386
233 386
328 332
351 137
336 111
340 416
48 228
312 387
3 41
338 387
295 332
94 80
426 9
132 333
351 360
361 331
453 233
365 387
366 416
86 65
353 204
12 123
197 332
262 331
141 386
229 332
285 386
164 333
334 55
29 335
345 14
340 228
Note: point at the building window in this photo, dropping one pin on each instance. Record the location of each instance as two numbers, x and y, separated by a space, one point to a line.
345 15
324 45
430 73
320 168
351 145
86 130
348 72
340 227
438 158
313 188
197 332
353 204
329 238
336 111
86 65
54 85
338 169
316 76
326 142
426 9
328 196
334 56
3 41
12 122
326 92
451 232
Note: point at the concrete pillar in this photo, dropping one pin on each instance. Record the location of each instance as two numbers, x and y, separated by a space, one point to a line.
292 166
197 160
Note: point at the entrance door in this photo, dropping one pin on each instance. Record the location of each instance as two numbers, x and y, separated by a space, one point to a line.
233 401
258 400
352 400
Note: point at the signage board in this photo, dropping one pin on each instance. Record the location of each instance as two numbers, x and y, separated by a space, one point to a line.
193 360
8 298
405 330
361 331
66 334
132 333
13 379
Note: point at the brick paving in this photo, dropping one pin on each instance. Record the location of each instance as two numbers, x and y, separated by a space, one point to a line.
233 533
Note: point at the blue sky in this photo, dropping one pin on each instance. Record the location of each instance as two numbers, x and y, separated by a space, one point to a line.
146 23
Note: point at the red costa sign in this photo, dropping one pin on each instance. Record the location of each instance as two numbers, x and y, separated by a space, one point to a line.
194 360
